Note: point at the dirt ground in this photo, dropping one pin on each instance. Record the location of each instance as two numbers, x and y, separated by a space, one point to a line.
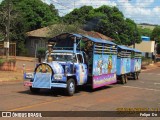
17 75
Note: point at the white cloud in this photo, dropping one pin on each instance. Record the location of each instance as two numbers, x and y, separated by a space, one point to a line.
143 3
67 6
95 3
139 10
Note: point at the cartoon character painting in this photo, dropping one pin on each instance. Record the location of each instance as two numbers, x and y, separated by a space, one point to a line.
44 68
128 66
99 65
122 66
81 71
109 64
137 66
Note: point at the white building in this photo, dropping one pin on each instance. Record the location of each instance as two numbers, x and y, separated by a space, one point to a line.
147 47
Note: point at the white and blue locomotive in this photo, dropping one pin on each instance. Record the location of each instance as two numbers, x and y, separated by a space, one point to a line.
75 59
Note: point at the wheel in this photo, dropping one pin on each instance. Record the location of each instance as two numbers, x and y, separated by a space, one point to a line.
34 90
126 79
123 79
70 90
135 76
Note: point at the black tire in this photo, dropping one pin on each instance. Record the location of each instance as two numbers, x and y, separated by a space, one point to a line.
135 76
34 90
70 90
123 79
126 79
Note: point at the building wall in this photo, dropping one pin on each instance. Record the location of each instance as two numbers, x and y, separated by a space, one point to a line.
33 43
146 46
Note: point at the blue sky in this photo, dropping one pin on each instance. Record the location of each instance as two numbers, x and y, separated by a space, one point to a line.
141 11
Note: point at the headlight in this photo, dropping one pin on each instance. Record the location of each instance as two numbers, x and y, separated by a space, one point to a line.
58 76
29 75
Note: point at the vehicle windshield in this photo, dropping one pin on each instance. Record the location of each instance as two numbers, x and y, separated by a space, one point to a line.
62 57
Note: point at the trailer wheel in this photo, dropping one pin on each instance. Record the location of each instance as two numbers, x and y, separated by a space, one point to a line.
70 90
126 79
34 90
123 79
135 76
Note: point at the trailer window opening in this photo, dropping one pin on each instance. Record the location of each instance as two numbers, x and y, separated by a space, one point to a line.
105 49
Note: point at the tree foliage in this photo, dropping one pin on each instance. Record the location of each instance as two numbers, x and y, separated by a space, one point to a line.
26 15
156 34
145 31
108 21
64 28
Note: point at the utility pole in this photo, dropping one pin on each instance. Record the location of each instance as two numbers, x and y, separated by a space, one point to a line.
8 29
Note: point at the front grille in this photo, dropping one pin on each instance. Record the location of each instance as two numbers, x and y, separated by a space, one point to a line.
42 80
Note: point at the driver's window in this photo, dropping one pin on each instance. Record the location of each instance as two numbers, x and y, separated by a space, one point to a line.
79 58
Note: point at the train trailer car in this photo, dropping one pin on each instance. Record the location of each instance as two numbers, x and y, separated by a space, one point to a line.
123 63
136 62
75 60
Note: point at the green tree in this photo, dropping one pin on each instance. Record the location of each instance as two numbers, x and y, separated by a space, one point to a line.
64 28
78 15
144 31
108 21
27 15
156 34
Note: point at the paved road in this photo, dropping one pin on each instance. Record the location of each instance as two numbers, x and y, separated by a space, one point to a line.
142 93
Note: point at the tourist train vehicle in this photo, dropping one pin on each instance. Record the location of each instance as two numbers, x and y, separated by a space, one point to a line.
128 63
74 59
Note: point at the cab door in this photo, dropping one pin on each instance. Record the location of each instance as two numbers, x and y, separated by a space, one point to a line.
81 72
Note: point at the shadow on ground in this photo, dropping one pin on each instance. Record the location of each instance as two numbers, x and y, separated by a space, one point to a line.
61 92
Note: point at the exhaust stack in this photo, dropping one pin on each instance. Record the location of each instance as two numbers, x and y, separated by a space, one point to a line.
49 59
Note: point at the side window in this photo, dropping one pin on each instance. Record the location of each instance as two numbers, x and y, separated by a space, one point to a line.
80 58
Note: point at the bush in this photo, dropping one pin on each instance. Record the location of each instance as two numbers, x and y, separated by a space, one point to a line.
41 53
1 61
146 61
5 60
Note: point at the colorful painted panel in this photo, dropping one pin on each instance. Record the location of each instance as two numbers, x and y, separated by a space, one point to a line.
57 68
123 66
104 64
81 73
118 66
43 68
132 65
135 65
104 69
105 79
